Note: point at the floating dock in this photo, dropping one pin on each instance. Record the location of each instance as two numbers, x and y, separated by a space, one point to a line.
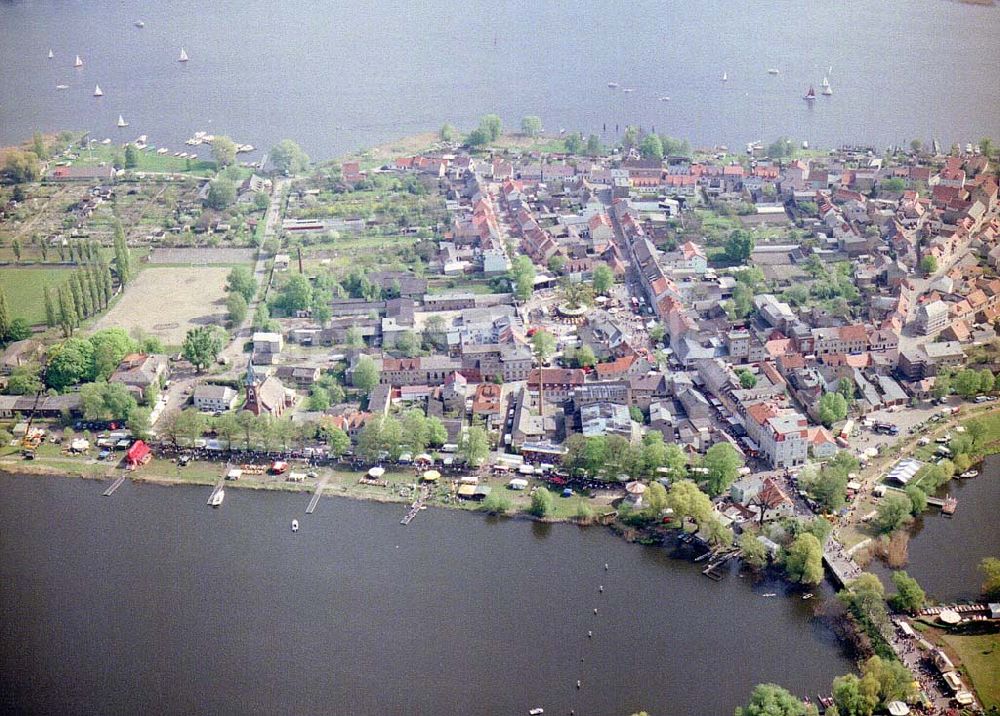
114 486
316 495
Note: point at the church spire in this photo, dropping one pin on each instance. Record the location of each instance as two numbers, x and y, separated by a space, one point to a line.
251 377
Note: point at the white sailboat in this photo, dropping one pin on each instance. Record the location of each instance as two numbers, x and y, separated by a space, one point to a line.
725 77
62 87
827 89
51 55
826 81
98 92
183 57
218 497
121 121
78 62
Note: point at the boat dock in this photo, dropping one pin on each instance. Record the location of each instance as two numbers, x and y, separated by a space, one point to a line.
316 495
218 486
415 508
714 569
114 486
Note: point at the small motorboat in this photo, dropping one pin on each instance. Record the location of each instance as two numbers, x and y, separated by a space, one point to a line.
62 87
970 473
628 90
217 498
537 711
807 595
139 24
664 98
769 594
295 525
773 71
613 85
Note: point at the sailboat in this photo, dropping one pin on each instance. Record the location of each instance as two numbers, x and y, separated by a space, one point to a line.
826 81
725 77
183 57
97 91
51 55
811 94
827 89
78 62
121 121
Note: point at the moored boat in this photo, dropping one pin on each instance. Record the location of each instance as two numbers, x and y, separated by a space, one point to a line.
218 497
970 473
295 525
810 94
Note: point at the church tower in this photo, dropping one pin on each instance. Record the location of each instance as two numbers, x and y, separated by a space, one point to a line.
251 383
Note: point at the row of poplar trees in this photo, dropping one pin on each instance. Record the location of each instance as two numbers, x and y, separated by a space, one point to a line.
90 287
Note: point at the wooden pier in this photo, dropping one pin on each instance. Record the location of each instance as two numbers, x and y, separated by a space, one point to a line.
114 486
316 495
415 508
218 486
719 560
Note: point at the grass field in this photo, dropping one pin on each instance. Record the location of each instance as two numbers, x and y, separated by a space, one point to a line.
150 161
167 302
24 289
980 655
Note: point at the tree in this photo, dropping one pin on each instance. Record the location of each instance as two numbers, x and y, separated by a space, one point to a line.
967 383
893 512
852 697
51 317
365 375
603 278
986 146
288 157
942 386
739 246
236 307
893 185
202 346
656 498
651 147
106 401
917 145
574 143
918 498
747 379
804 559
191 424
138 423
594 148
24 380
909 596
23 167
688 502
295 295
542 502
723 464
990 567
407 344
772 700
630 138
223 151
123 257
337 441
67 311
522 276
319 399
780 148
556 263
543 345
492 125
832 408
131 156
929 264
986 381
241 281
437 434
38 146
448 133
657 333
111 345
829 488
70 362
221 193
531 126
497 503
477 138
475 446
353 337
754 552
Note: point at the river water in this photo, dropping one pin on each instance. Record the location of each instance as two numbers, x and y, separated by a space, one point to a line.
344 75
149 601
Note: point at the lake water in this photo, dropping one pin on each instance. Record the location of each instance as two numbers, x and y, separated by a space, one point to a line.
340 76
149 601
945 552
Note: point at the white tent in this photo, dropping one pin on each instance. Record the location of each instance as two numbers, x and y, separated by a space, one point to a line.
376 472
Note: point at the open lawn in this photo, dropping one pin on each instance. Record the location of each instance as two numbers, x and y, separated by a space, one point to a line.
149 161
167 302
24 289
980 655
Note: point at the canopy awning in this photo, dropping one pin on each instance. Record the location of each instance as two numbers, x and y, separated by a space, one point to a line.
376 472
431 475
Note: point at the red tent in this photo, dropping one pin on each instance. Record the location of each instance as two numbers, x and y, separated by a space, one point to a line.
138 454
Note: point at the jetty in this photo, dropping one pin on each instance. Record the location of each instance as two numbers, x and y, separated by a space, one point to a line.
417 505
114 486
719 559
320 486
218 486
